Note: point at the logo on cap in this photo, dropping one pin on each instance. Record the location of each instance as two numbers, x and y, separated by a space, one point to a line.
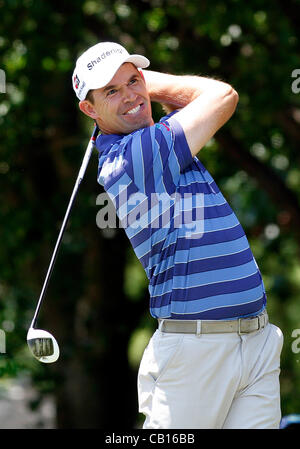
76 81
104 55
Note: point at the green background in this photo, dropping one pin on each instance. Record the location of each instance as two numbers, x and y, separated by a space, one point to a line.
97 301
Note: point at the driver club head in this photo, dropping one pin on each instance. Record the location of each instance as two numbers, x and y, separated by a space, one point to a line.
42 345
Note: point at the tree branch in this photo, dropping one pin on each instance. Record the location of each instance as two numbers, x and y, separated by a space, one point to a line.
267 179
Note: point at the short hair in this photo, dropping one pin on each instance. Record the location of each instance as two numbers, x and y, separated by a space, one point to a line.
90 96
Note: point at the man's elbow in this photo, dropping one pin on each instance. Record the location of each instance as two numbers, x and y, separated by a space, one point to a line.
232 98
235 97
229 100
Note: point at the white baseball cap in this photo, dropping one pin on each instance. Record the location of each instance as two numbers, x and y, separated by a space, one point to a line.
98 65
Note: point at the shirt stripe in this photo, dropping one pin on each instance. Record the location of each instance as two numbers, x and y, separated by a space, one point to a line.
189 241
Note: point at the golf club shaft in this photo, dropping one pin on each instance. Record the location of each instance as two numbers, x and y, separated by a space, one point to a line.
80 176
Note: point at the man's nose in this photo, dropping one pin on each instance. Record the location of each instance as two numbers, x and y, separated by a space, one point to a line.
128 95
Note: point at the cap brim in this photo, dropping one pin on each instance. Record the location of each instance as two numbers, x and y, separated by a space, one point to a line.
138 60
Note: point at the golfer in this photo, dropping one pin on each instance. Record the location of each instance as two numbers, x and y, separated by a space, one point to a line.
214 360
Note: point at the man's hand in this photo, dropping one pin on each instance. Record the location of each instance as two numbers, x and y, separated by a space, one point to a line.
205 104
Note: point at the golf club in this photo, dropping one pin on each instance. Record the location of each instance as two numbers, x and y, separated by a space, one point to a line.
42 344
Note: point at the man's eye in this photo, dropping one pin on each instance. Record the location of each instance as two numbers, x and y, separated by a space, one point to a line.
111 92
134 80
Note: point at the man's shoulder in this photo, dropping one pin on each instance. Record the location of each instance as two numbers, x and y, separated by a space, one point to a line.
166 117
107 141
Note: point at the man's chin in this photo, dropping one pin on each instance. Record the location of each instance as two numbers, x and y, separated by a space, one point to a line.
140 125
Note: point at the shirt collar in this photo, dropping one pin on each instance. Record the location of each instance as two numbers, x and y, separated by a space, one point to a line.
105 141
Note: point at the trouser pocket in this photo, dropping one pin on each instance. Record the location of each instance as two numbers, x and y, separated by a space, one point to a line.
161 352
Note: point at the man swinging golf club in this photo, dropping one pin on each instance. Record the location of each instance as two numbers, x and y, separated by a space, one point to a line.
214 360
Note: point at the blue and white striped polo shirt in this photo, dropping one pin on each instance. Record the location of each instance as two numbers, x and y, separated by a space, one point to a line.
189 241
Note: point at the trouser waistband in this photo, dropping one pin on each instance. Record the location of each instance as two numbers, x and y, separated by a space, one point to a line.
240 325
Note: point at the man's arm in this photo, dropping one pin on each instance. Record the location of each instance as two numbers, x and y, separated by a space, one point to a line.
205 104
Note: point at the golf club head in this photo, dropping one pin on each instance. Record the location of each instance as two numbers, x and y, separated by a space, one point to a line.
42 345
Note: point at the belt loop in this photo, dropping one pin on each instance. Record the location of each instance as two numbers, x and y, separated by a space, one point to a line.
160 324
239 327
198 331
259 322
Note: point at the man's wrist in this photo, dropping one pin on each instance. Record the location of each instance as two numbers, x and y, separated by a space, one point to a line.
161 87
177 91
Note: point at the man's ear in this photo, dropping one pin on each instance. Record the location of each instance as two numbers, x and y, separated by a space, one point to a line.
88 109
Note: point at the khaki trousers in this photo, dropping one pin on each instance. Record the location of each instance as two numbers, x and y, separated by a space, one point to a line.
211 381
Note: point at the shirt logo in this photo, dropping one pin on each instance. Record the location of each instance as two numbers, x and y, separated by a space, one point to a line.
157 125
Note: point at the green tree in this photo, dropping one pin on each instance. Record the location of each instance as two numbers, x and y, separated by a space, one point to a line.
97 300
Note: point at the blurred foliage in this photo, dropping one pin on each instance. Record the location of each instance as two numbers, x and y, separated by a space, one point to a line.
254 159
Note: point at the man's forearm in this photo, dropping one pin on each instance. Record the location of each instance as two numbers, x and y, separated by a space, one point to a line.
176 91
205 104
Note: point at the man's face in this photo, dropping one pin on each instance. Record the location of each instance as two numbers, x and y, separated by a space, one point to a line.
123 105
